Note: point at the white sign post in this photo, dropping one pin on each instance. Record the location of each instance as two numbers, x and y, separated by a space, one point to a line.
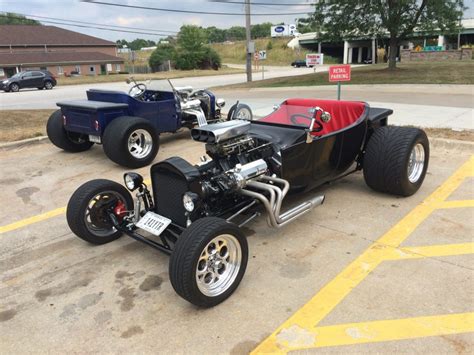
313 59
262 55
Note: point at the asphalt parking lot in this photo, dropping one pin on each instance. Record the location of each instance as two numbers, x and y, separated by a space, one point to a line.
365 272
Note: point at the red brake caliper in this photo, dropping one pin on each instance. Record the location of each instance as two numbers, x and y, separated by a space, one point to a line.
120 210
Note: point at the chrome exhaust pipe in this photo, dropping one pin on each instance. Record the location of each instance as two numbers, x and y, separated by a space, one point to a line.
273 206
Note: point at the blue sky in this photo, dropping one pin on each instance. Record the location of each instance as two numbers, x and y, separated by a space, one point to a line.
109 15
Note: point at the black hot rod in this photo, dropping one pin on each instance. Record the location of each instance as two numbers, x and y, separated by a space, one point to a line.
195 212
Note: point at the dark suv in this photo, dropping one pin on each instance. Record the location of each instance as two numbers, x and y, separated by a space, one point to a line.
41 79
299 63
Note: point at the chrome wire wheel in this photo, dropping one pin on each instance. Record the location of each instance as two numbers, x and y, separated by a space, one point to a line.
95 216
218 265
140 143
48 85
416 163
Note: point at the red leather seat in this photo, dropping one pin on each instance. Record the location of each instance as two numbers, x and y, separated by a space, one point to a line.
343 113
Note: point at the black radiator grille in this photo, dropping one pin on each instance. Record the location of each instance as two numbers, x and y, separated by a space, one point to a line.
168 190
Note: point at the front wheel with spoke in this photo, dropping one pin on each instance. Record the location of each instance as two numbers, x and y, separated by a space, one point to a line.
209 261
130 141
88 210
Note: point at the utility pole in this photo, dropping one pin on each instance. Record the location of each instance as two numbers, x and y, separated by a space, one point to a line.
247 33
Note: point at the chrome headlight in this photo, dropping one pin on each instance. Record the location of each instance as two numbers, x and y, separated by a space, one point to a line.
189 201
220 103
132 180
4 81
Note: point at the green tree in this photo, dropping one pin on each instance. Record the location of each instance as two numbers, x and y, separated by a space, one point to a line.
261 30
215 35
399 18
192 51
235 33
10 18
160 55
192 38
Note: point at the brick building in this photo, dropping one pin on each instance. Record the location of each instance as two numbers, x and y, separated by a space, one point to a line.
55 49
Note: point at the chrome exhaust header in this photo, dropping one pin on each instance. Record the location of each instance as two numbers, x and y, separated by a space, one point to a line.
277 189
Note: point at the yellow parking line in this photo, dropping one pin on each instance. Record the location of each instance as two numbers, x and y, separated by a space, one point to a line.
38 218
456 204
432 251
386 330
304 321
31 220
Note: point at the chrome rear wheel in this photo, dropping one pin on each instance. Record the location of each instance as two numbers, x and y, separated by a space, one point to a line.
140 143
416 163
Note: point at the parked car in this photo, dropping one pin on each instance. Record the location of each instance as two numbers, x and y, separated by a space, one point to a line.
41 79
128 125
300 63
195 213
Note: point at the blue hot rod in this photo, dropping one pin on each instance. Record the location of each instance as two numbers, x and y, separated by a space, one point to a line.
128 125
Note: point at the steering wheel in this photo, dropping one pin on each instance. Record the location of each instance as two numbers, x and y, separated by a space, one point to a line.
294 119
137 90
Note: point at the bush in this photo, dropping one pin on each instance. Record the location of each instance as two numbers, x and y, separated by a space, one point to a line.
206 58
269 45
161 54
210 59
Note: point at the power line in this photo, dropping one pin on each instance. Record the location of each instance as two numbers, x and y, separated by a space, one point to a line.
262 3
101 28
189 11
98 24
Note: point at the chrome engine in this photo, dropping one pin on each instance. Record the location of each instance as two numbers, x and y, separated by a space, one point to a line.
244 165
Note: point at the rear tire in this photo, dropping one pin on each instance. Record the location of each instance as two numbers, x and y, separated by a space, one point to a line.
68 141
208 261
244 112
95 228
131 142
48 85
396 160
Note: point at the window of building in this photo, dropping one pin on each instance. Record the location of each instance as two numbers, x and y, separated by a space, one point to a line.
60 70
92 69
77 69
117 67
43 68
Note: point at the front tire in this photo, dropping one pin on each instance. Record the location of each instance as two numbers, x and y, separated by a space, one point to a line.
396 160
68 141
14 87
87 210
244 112
131 142
208 261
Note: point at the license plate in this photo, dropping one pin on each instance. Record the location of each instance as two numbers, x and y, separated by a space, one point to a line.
94 139
153 223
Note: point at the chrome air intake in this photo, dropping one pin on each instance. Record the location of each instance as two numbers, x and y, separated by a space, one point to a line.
219 132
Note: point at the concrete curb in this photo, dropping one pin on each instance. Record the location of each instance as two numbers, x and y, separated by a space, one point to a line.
23 142
435 143
451 144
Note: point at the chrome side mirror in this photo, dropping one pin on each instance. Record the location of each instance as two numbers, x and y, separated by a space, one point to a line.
276 107
128 81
